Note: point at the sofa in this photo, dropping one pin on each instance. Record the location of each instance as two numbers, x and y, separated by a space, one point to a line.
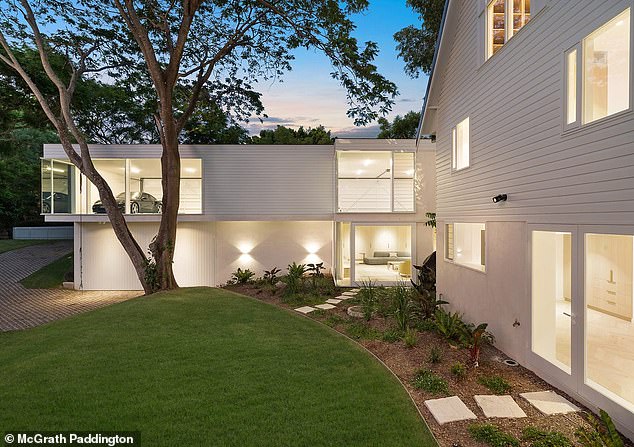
382 257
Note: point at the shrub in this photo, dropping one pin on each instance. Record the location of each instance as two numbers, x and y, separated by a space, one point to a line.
294 279
449 325
242 276
602 434
392 335
426 325
334 320
435 355
474 337
358 330
430 382
410 338
459 370
493 436
368 297
315 271
403 306
496 384
541 438
270 276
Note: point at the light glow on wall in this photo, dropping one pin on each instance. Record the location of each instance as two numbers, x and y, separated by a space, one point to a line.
245 247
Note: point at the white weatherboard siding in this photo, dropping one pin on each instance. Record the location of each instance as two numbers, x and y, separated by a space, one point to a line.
515 106
260 246
106 266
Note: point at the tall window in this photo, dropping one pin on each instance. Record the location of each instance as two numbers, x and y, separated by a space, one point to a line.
504 19
465 244
571 86
375 181
460 156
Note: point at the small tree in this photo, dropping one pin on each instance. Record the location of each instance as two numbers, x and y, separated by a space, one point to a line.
177 54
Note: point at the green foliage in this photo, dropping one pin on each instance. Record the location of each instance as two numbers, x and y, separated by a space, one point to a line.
435 355
542 438
50 276
401 127
359 330
449 325
602 434
315 272
294 278
426 325
403 305
270 276
392 335
416 46
431 220
426 300
151 274
493 436
474 337
459 370
410 339
242 276
333 320
368 295
496 384
286 135
428 381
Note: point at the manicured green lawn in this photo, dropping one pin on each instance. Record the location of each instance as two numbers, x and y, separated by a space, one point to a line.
14 244
203 367
49 276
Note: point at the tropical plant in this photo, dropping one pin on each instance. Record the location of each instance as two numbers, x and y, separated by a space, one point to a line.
315 272
403 305
294 278
368 295
425 284
602 434
242 276
449 325
459 370
493 436
270 276
431 220
435 355
410 339
474 337
496 384
428 381
541 438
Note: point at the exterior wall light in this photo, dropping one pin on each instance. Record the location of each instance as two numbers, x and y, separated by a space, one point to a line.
500 198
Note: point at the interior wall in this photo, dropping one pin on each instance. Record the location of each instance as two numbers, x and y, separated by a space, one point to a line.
261 246
369 239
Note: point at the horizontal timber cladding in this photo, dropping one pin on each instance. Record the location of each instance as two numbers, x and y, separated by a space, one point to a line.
516 109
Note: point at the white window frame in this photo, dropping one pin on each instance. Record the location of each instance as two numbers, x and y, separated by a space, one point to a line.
454 146
580 79
483 255
508 25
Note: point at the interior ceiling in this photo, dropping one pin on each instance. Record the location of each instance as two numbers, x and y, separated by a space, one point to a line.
366 164
147 167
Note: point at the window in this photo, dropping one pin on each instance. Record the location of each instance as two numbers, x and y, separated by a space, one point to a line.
597 76
57 187
460 140
465 244
375 181
504 19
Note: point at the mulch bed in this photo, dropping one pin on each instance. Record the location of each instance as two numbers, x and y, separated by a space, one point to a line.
405 362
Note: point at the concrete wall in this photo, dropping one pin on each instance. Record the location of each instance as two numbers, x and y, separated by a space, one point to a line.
43 232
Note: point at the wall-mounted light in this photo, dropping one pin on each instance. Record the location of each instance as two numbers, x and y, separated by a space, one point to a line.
500 198
245 248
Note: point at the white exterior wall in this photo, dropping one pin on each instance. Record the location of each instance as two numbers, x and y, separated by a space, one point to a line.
553 178
261 246
106 265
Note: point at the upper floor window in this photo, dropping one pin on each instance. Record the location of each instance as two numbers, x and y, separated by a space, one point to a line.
504 19
600 87
375 181
460 145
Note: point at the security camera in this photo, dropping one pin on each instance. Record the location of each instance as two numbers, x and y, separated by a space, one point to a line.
500 198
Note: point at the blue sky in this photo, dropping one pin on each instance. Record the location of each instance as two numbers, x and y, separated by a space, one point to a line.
308 96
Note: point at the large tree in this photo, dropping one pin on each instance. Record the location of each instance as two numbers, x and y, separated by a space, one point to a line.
287 135
187 50
416 45
402 127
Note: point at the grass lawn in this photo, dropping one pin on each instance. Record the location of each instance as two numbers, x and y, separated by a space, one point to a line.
203 367
14 244
50 276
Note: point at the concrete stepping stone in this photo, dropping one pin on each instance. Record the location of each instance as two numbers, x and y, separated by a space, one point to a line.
349 293
449 409
305 309
325 306
549 402
355 290
333 301
343 297
499 406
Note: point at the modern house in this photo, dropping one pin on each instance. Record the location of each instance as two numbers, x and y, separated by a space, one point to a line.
358 206
530 104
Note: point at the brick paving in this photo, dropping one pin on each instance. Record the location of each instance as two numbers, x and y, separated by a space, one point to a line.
22 308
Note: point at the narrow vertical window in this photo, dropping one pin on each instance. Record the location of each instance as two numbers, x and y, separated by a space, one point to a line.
496 19
571 87
461 145
449 247
606 69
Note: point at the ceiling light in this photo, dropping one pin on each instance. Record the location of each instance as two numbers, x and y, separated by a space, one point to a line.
135 170
190 170
367 162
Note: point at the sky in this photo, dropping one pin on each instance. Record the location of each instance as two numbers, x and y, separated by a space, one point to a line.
309 97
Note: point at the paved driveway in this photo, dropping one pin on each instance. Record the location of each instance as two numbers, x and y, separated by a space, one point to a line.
22 308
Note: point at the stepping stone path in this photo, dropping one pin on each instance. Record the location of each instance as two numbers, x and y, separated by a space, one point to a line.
549 402
325 306
305 309
499 407
343 297
333 301
449 409
350 294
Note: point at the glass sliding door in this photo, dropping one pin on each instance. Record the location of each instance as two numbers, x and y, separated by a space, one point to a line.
382 253
552 297
342 255
609 331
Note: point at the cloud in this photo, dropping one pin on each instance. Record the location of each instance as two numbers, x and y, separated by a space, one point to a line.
409 100
357 132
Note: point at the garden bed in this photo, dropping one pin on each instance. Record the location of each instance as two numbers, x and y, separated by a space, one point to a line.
430 351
